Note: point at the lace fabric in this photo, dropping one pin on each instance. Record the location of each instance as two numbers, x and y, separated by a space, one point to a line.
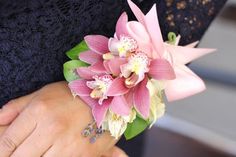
35 34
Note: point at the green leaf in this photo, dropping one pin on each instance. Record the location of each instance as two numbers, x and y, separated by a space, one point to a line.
135 128
74 52
69 69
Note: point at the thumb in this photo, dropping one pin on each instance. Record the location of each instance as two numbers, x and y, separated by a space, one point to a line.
10 111
115 152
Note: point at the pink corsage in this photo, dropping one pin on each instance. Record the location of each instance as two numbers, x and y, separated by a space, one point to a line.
123 78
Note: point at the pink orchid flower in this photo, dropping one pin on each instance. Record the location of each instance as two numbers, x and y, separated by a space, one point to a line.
122 44
135 78
103 57
187 83
93 91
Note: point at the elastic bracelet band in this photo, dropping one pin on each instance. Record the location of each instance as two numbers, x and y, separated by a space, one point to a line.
123 78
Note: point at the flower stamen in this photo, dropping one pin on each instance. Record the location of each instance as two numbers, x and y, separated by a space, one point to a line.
131 81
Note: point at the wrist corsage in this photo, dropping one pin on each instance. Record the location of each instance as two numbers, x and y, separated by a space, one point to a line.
123 78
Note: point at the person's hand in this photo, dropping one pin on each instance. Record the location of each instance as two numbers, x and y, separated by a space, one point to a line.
113 152
48 123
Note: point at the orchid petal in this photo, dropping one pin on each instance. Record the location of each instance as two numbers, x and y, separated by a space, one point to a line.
120 106
192 45
89 57
89 101
97 43
113 44
115 64
138 32
160 69
98 67
117 87
99 111
106 66
142 98
130 98
79 87
121 26
86 73
137 12
184 55
186 84
154 30
177 40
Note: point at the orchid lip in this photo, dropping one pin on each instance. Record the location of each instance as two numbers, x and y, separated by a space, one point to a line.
123 46
131 81
96 94
126 46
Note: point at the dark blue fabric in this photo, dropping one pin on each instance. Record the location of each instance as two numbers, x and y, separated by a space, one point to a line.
35 34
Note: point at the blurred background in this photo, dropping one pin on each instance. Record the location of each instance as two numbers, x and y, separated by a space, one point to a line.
204 125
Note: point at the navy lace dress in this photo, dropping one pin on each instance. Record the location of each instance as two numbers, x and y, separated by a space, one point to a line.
34 35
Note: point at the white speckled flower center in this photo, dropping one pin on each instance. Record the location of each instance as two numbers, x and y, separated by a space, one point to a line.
138 63
126 46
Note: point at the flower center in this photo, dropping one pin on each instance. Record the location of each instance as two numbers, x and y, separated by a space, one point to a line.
126 46
100 86
138 63
134 71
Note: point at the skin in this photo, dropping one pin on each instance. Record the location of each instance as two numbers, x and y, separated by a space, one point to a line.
48 123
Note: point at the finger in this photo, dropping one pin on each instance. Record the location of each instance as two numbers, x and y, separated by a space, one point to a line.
16 133
115 152
10 111
52 152
34 145
57 151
